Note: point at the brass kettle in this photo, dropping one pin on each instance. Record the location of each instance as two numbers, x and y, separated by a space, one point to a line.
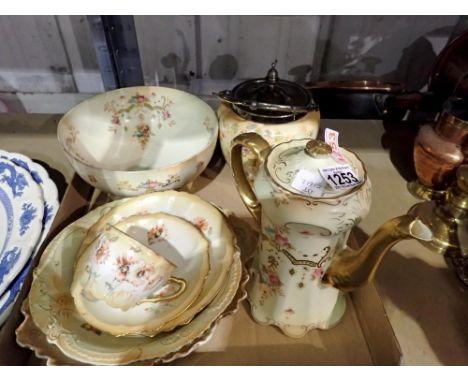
447 218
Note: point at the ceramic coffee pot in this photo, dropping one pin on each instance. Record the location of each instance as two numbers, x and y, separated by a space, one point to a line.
276 109
306 201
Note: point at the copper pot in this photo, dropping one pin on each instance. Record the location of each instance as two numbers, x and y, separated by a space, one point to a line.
369 99
438 149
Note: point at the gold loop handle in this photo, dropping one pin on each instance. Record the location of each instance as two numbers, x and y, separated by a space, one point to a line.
260 148
182 286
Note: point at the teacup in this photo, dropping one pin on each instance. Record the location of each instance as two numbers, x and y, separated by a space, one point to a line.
122 272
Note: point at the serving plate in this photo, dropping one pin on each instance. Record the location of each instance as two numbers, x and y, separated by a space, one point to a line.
22 209
176 240
53 311
207 218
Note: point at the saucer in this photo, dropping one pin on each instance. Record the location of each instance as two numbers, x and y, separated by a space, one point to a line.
177 241
207 218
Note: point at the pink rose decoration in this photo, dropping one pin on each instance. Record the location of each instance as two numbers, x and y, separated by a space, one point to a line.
318 272
281 240
274 279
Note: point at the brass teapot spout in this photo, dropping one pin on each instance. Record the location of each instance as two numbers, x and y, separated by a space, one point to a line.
351 269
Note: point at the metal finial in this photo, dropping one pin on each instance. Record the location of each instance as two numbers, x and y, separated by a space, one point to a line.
272 75
317 149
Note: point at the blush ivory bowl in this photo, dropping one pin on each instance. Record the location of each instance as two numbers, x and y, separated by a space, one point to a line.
140 139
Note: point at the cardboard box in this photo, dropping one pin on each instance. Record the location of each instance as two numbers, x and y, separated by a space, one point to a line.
364 337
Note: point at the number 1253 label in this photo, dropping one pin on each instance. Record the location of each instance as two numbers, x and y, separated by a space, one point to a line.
340 177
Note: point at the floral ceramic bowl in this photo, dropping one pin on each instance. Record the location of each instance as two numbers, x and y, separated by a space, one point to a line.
139 139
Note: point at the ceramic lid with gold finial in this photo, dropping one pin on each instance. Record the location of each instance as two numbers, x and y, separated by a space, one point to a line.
311 168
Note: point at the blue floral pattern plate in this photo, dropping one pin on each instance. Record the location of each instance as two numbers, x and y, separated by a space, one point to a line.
7 300
21 198
51 205
48 188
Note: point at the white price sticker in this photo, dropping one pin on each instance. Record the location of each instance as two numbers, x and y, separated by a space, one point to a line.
331 139
340 177
308 183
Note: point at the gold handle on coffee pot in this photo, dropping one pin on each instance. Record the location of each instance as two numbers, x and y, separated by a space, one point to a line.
260 148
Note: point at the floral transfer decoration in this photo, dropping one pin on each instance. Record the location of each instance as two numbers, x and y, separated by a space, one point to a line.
270 280
210 127
142 133
156 233
102 252
146 108
317 273
278 236
149 185
289 312
70 141
280 197
102 247
134 272
126 269
123 267
202 225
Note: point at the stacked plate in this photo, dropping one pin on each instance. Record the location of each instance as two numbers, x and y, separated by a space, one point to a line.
78 297
28 204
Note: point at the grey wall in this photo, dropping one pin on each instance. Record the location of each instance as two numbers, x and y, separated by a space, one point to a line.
55 54
217 49
47 54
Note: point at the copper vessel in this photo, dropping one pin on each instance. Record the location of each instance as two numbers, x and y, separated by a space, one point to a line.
438 150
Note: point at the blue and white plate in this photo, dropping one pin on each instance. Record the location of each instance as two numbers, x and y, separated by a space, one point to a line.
23 210
51 205
48 188
8 299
